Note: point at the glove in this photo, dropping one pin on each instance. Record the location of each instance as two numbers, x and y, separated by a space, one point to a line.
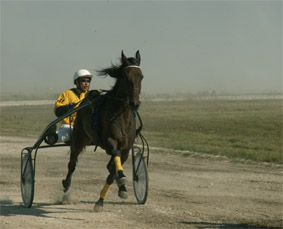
70 106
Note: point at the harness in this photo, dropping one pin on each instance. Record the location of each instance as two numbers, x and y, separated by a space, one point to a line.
94 115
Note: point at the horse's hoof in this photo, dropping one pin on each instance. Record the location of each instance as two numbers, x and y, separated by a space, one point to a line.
66 185
123 194
121 181
98 207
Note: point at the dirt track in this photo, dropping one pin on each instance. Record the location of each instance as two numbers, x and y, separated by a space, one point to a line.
185 192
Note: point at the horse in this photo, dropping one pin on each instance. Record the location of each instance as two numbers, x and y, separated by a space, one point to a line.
115 115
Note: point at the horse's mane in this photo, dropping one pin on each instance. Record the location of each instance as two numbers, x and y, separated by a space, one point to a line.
115 71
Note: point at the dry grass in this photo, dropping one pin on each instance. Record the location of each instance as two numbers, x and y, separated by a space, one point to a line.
236 129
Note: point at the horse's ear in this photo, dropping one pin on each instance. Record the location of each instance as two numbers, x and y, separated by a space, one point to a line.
124 59
138 57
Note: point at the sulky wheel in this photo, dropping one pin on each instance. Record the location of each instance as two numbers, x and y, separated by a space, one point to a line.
140 178
27 179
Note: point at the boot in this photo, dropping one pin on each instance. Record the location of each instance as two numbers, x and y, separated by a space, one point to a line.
51 137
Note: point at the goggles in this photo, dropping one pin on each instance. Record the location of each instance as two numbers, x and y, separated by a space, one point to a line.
85 80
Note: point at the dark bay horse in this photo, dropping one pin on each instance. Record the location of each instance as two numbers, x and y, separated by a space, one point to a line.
117 131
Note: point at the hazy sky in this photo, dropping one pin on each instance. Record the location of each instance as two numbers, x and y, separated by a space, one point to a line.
185 46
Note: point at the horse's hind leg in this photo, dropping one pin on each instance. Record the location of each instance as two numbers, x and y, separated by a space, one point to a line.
80 141
71 168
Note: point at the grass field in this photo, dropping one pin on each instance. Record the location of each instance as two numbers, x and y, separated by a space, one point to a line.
243 129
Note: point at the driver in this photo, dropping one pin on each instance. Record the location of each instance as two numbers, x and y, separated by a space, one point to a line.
65 102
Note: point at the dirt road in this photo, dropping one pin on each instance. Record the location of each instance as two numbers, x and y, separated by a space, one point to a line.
185 192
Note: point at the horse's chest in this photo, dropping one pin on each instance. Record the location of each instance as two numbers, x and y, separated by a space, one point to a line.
127 133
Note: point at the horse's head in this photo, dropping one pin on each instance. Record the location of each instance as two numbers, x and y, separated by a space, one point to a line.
128 77
132 77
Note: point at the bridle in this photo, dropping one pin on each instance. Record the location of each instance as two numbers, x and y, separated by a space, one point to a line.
126 99
132 66
122 99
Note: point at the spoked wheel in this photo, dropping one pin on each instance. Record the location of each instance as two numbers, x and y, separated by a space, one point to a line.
140 176
27 179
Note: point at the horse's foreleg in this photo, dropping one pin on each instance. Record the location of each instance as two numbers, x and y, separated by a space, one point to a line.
109 181
114 175
116 156
121 179
119 175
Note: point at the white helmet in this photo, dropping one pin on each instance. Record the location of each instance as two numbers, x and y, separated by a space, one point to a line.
82 73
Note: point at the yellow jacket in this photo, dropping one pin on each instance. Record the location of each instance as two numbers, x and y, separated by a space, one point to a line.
70 96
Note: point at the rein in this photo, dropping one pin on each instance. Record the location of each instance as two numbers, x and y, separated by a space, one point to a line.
118 99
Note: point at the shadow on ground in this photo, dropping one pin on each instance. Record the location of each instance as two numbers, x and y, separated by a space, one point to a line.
8 208
202 225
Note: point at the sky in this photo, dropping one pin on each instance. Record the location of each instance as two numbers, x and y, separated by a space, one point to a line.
231 46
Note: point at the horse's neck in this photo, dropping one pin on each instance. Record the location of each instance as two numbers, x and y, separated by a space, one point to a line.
121 109
120 105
